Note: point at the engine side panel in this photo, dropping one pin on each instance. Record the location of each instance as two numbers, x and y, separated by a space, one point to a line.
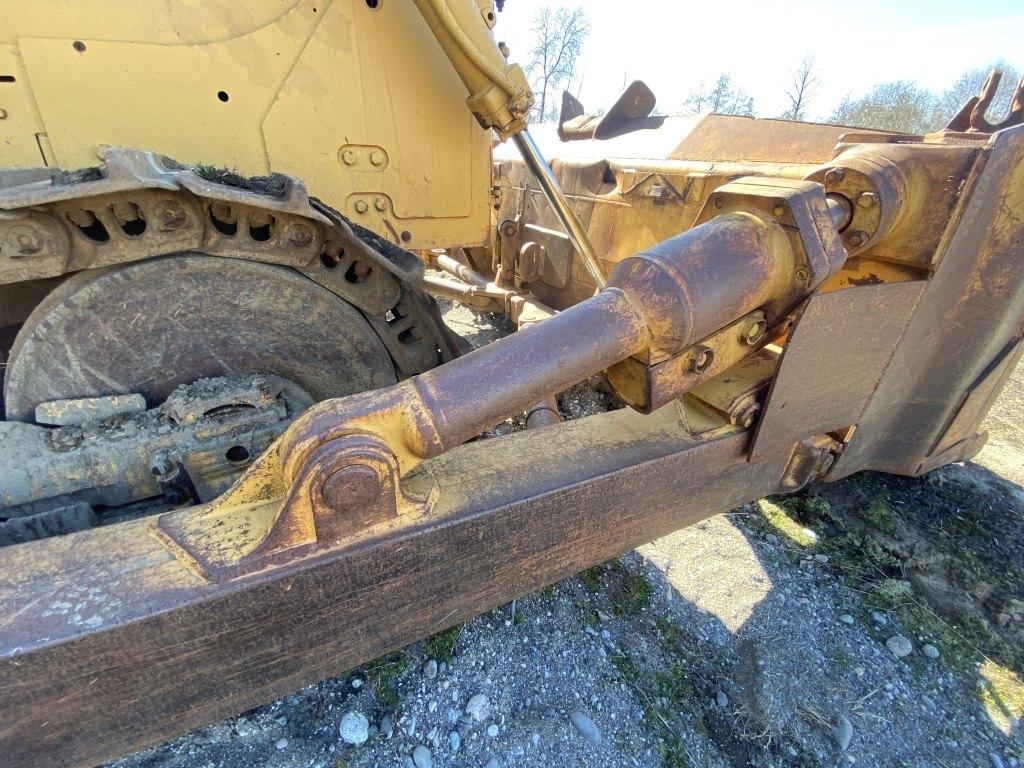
359 102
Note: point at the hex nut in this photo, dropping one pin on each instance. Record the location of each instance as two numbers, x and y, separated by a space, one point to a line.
753 331
834 175
377 157
746 417
380 204
348 157
171 214
702 359
361 206
867 199
299 235
856 239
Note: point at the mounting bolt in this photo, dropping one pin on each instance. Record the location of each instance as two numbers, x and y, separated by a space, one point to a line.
801 275
856 239
867 199
298 235
3 114
25 241
834 175
161 465
380 204
377 157
348 157
28 244
361 206
779 210
171 214
702 359
745 418
753 331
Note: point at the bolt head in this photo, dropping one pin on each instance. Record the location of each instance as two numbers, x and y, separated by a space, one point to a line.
834 175
377 158
856 239
867 199
380 204
361 206
348 157
746 417
24 241
702 359
171 214
754 331
3 114
299 235
779 210
802 275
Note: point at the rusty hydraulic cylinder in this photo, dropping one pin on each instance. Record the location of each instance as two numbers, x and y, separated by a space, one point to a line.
336 472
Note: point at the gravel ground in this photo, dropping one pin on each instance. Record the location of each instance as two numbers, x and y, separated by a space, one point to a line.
771 636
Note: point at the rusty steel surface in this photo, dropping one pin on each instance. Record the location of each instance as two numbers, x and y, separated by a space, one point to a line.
156 650
151 326
137 206
830 390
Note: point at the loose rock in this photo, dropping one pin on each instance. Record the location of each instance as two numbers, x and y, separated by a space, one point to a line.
282 744
930 651
899 646
842 732
846 618
355 729
477 707
454 741
721 699
430 669
586 726
422 758
492 730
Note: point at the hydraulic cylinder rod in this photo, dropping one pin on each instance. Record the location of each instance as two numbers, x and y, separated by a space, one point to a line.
556 197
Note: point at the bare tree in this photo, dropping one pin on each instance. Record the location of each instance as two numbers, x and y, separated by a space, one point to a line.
559 34
723 99
803 81
969 84
899 105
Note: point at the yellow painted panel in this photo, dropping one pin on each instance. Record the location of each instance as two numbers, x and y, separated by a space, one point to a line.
19 119
264 86
195 103
169 22
391 87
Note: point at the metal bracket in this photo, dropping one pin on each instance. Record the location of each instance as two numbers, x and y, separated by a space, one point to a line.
348 490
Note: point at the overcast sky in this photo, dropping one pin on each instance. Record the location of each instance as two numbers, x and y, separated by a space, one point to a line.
675 45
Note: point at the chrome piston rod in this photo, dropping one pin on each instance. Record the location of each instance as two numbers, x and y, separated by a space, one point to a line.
553 192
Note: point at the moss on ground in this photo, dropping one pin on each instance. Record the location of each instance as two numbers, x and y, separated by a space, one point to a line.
382 674
441 646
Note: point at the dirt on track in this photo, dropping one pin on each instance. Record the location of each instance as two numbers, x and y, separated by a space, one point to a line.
762 637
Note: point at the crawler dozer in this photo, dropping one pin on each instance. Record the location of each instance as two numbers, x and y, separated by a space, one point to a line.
238 452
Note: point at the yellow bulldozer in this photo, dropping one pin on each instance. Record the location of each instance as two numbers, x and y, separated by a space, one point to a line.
238 450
